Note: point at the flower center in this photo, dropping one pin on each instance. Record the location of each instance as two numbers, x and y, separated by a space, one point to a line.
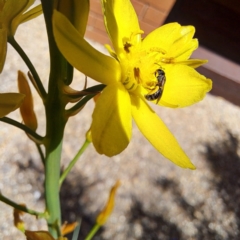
139 68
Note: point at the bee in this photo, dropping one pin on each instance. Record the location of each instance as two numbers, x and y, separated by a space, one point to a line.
161 79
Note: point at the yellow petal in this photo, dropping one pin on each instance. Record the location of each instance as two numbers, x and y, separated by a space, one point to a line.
3 47
194 63
76 11
112 122
38 235
153 128
184 45
81 54
173 40
2 3
10 102
10 13
33 13
163 37
184 86
121 22
12 8
15 9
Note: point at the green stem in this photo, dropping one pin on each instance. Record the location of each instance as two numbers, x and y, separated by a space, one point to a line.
72 163
19 125
22 208
93 232
56 121
32 69
52 174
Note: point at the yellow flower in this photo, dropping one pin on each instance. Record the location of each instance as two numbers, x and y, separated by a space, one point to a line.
12 14
155 68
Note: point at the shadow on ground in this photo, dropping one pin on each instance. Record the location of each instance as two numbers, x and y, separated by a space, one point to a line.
223 160
150 224
72 191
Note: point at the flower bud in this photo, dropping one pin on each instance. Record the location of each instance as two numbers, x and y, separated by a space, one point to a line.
105 213
10 102
18 222
26 109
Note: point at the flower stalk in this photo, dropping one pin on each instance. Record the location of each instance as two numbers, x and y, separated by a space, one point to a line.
73 162
56 121
32 134
22 208
24 56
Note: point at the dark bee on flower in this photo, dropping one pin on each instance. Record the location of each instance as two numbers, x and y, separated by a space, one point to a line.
161 79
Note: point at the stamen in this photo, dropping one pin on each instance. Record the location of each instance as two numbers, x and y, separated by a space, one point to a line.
167 60
140 32
137 74
129 42
126 47
158 50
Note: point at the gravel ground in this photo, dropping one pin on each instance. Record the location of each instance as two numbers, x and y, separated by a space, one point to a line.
157 200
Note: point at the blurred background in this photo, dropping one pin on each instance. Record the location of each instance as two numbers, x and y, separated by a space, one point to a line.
157 200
